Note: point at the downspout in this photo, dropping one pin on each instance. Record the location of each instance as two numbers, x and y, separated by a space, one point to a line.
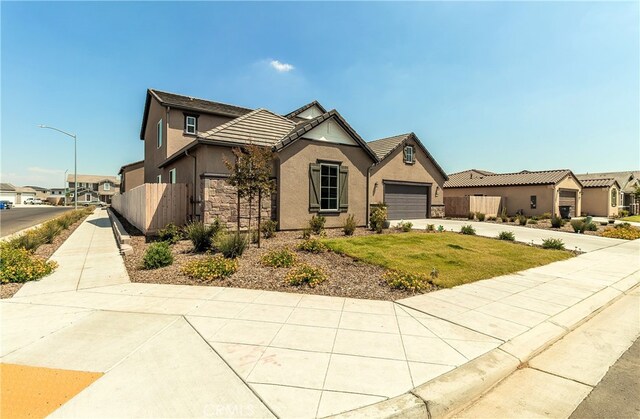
195 176
366 220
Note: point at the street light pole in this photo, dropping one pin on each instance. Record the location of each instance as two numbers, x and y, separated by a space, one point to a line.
65 187
75 161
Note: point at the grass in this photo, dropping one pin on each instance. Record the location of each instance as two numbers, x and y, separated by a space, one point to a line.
459 259
633 218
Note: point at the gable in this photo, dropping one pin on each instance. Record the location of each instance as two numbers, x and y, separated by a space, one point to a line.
310 113
330 131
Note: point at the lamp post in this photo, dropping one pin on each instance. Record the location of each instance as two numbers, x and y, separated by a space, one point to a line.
65 187
75 161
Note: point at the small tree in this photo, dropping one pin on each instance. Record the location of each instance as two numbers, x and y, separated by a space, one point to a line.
251 175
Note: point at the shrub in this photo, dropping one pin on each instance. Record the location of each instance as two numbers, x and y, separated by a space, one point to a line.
305 274
578 226
557 244
316 223
532 221
622 231
440 229
512 219
471 216
157 255
312 246
556 222
201 235
507 235
591 226
349 225
378 218
30 241
623 213
468 230
522 220
306 233
19 265
170 233
232 245
407 281
268 228
281 258
255 236
431 227
49 231
405 226
503 215
545 216
492 218
210 268
480 216
65 221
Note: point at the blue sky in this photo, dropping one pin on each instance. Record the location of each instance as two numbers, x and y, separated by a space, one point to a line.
492 85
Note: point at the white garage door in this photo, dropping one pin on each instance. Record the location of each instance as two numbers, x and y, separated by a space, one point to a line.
8 196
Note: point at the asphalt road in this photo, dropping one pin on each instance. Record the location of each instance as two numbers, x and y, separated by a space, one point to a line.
17 219
616 396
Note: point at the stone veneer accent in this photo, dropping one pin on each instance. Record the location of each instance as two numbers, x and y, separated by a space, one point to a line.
437 211
220 200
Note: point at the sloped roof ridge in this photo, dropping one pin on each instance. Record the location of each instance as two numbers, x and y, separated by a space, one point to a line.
304 108
197 98
406 134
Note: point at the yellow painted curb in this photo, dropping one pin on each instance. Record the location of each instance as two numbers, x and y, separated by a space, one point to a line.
34 392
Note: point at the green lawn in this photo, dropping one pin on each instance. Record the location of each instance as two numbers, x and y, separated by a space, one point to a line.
459 259
635 218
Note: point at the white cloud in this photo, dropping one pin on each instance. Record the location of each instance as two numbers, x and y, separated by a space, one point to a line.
45 171
281 67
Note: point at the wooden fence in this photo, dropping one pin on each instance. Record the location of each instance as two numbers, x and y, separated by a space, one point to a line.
152 206
461 206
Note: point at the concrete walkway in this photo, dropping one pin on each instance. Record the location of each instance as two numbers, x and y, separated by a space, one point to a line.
169 350
572 241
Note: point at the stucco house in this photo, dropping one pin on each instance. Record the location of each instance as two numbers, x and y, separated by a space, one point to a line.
131 176
600 197
93 188
627 183
321 164
16 194
528 192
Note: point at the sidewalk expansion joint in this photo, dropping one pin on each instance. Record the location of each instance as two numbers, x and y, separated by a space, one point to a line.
560 376
425 402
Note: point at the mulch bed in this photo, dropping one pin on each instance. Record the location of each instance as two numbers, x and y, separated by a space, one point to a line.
346 277
43 251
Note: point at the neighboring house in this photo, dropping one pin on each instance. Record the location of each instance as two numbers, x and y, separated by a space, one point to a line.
131 176
471 173
56 196
41 192
628 182
93 188
600 197
321 164
407 178
16 194
530 193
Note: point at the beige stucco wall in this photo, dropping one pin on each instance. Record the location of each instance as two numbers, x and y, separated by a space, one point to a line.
153 155
394 168
293 184
597 202
176 136
133 177
518 197
570 183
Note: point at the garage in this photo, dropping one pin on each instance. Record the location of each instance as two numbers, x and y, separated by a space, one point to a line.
567 203
8 196
406 201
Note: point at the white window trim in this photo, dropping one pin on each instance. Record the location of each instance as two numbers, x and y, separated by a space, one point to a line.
87 195
159 134
337 208
106 186
159 179
172 175
412 154
188 125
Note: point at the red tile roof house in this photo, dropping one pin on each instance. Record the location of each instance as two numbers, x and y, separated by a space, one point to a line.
321 164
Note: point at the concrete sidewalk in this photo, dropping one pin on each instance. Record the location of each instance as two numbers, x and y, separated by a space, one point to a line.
572 241
172 350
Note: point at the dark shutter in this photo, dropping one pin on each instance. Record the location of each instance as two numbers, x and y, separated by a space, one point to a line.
344 188
314 187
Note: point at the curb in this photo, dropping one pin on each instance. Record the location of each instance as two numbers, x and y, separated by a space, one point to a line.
451 392
122 237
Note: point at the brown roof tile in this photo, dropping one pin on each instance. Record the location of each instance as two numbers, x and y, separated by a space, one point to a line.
545 177
196 104
261 127
597 183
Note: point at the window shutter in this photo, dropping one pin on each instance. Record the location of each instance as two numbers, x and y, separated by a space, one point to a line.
344 188
314 187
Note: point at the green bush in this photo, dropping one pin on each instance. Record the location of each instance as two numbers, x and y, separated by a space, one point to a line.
170 233
201 235
545 216
405 226
440 229
468 230
556 222
306 233
157 256
522 220
19 265
512 219
492 218
232 245
591 226
210 268
316 223
578 226
268 228
507 235
378 218
471 216
407 281
280 258
312 246
65 221
349 226
431 227
623 213
532 221
30 241
49 231
305 274
480 216
503 215
557 244
255 236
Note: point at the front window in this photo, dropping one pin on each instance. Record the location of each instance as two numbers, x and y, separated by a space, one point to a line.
534 201
190 124
408 154
328 187
159 134
87 197
614 197
107 186
159 179
172 176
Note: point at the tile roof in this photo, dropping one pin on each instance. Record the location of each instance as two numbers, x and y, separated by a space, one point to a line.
93 178
301 109
7 187
544 177
196 104
597 183
469 173
135 163
261 127
385 146
621 177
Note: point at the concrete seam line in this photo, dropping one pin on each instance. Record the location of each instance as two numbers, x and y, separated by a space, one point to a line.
231 368
560 376
426 404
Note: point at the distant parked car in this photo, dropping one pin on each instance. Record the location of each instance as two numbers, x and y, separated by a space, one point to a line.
6 204
97 203
33 201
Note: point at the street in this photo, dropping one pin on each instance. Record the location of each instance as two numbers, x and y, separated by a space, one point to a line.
17 219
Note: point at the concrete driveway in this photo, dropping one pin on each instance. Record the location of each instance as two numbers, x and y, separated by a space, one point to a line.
572 241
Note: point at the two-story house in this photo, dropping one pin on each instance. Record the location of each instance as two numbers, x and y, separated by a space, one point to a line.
93 188
321 164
